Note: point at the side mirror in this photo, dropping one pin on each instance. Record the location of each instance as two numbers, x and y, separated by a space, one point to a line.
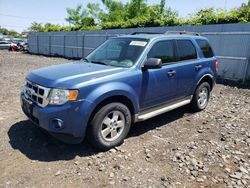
152 63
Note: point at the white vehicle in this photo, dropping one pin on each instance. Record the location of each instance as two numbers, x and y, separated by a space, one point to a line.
5 44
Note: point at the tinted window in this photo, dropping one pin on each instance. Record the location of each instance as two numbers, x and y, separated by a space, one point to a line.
205 47
186 50
163 50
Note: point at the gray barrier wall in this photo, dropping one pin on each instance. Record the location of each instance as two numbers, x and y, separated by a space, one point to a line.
231 43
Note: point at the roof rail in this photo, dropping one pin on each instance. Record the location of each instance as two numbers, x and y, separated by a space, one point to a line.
145 32
181 33
167 33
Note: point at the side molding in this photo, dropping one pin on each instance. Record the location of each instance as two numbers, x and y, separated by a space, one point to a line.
161 110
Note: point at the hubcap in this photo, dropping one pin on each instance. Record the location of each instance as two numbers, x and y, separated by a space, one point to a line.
113 125
203 97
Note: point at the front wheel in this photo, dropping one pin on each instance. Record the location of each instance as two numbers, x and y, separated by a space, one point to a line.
109 126
201 97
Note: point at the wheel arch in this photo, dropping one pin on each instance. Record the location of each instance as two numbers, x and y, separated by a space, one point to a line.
115 98
207 78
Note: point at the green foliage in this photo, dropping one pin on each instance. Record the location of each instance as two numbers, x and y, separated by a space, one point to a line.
137 13
38 27
219 16
80 16
9 32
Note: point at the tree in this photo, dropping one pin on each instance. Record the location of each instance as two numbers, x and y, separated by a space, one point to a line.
244 12
116 11
95 11
80 17
136 8
137 13
36 27
162 6
9 32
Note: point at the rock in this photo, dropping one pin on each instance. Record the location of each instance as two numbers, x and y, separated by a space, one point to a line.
111 175
236 175
113 150
148 156
90 163
58 173
163 178
200 130
243 170
178 156
227 170
199 179
194 173
102 168
205 169
126 178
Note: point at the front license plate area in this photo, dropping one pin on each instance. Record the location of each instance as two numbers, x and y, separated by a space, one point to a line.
27 106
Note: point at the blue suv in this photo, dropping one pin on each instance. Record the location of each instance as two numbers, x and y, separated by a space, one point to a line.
125 80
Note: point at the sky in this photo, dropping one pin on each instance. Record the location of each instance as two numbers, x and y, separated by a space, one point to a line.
19 14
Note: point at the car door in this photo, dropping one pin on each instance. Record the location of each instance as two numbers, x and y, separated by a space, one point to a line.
159 85
2 43
187 66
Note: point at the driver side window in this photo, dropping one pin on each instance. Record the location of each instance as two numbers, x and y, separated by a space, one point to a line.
163 50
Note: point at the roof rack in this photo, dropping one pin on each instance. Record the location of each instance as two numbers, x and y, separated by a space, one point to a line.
181 33
167 33
145 32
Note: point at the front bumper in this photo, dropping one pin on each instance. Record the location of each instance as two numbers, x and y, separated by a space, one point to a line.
72 114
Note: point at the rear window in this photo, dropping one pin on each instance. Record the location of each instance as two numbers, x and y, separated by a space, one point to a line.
205 48
186 50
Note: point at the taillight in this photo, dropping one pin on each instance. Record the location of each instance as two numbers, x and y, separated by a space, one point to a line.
216 66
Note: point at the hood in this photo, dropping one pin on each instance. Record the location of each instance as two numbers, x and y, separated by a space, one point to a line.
70 74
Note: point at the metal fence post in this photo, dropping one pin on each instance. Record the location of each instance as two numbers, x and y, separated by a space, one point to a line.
37 43
50 45
83 53
107 36
64 43
247 66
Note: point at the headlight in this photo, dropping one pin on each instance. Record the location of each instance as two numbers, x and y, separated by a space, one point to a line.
61 96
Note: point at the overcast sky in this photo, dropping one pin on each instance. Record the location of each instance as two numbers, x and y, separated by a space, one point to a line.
18 14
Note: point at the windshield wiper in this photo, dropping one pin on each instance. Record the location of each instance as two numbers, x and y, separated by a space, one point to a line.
86 60
99 62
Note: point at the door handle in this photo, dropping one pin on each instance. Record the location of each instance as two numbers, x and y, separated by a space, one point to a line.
197 67
171 73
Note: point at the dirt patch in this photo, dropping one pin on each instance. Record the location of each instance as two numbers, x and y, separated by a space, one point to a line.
177 149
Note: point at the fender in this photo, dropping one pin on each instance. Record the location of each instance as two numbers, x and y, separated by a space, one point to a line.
103 92
113 89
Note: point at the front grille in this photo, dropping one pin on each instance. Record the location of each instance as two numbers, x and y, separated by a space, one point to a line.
36 93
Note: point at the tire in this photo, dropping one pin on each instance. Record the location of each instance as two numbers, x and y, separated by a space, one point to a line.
201 97
109 126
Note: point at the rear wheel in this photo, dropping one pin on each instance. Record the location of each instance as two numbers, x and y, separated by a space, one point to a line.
109 126
201 97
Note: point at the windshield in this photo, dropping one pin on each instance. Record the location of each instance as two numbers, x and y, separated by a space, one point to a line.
120 52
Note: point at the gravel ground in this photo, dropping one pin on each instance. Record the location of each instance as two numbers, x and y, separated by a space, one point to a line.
177 149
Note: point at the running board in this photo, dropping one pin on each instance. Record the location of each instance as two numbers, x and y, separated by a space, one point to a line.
162 110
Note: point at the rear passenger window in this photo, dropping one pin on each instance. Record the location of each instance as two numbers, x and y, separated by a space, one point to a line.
205 47
163 50
186 50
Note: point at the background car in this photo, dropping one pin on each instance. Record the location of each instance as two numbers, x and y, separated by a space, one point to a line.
5 44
